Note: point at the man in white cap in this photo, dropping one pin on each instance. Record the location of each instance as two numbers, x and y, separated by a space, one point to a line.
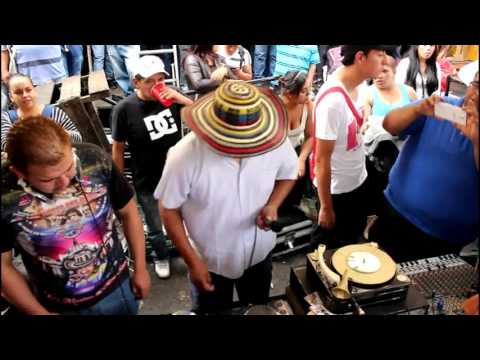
224 181
150 128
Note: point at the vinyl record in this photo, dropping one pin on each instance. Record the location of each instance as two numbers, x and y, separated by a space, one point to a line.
368 265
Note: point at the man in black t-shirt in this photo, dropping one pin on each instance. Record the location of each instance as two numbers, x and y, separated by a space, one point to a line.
61 208
150 128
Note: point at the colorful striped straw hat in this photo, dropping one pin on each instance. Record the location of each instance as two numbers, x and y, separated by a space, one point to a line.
239 119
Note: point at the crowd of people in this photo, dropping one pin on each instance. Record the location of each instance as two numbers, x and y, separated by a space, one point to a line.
366 143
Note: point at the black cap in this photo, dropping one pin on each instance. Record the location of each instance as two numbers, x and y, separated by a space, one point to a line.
353 49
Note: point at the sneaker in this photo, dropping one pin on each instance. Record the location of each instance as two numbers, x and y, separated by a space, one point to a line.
162 268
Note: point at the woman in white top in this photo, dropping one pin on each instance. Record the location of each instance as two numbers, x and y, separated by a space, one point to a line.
299 107
238 59
421 71
294 94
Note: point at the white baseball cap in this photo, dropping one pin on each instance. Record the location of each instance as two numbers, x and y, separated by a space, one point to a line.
149 65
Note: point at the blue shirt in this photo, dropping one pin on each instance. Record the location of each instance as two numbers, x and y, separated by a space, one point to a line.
43 63
295 57
381 108
434 182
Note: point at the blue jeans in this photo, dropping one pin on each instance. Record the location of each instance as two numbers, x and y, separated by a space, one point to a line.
123 58
73 59
101 60
265 57
156 237
121 301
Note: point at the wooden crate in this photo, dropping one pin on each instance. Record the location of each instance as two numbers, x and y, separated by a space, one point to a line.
75 96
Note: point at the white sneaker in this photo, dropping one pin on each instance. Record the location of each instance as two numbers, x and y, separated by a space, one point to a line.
162 268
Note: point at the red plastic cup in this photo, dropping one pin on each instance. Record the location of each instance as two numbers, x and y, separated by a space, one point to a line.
156 90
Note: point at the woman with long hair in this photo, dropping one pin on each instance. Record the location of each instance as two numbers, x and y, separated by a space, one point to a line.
421 71
295 96
24 96
204 69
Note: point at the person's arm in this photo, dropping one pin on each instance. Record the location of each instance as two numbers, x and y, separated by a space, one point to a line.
399 119
5 65
323 173
308 142
193 72
178 97
6 125
118 151
16 291
244 74
270 211
310 75
133 229
64 121
368 105
173 221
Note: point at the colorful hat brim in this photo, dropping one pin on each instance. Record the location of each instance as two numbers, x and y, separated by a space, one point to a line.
269 132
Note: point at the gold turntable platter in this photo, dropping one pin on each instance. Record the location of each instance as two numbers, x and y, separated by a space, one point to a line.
367 264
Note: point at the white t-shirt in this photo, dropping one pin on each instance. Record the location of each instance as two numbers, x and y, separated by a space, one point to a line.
220 198
233 61
333 117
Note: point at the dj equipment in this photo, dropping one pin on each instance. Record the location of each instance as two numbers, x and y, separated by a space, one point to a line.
446 281
355 277
293 230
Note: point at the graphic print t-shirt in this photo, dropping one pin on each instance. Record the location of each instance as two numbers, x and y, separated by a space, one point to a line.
150 130
70 242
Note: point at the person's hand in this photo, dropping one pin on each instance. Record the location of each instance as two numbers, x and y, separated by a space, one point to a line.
169 93
426 107
471 128
326 218
270 213
301 168
236 72
219 73
200 276
141 283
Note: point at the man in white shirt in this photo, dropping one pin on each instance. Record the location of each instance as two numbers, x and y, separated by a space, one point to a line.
225 181
338 159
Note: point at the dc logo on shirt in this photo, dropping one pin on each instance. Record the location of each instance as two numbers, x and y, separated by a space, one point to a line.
161 124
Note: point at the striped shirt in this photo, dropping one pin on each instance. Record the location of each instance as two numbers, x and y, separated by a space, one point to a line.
58 115
295 57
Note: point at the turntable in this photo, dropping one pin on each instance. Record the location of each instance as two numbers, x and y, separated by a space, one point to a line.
355 276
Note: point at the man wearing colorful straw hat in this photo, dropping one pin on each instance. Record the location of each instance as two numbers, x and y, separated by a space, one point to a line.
225 181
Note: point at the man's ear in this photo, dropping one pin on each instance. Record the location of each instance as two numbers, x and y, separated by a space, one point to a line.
135 83
17 172
360 56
